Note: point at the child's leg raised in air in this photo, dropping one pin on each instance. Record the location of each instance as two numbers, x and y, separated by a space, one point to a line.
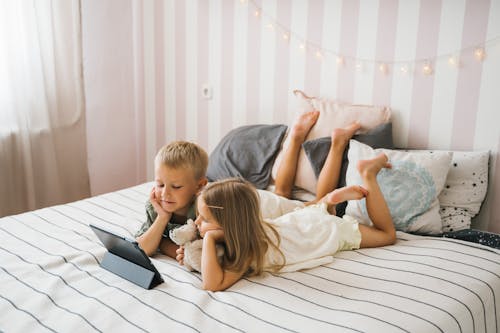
286 172
329 176
330 173
382 232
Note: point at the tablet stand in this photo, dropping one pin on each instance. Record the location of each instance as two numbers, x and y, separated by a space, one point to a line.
128 270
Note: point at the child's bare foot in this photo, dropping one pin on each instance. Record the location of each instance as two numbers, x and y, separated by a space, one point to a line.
303 125
341 136
372 166
352 192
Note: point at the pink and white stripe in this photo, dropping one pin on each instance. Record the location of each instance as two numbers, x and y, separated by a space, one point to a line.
348 47
469 79
385 47
423 85
282 63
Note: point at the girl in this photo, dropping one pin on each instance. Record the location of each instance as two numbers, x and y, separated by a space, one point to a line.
229 212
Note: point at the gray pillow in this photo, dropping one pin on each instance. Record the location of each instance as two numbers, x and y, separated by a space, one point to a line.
317 150
247 152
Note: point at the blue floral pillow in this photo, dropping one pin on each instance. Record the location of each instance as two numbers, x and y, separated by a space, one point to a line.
411 187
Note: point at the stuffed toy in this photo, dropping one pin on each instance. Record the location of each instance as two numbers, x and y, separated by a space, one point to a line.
187 236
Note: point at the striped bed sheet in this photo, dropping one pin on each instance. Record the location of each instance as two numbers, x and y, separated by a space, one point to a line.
51 281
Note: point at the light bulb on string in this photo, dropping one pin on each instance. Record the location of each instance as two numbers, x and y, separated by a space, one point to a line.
479 53
340 60
286 36
383 68
454 61
256 13
404 69
427 68
359 66
319 55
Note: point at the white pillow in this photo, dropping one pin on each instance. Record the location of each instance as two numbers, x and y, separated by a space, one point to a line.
332 115
411 188
464 190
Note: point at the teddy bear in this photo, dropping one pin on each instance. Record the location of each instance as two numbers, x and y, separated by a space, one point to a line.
187 236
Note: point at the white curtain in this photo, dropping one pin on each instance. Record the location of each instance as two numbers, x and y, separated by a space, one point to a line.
43 158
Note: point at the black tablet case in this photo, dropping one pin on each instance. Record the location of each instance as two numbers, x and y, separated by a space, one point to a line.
125 258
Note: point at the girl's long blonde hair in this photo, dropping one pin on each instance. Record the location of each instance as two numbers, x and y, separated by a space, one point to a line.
235 204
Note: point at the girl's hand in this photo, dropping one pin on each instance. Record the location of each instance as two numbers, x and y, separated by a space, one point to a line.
213 275
216 234
157 206
180 255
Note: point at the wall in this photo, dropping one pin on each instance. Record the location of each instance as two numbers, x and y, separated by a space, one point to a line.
115 138
148 62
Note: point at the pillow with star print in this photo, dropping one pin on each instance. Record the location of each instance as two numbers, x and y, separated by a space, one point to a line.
464 190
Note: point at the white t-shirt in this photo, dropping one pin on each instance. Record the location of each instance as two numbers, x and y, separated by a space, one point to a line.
310 236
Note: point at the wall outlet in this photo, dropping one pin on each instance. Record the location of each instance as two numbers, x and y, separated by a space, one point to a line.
206 91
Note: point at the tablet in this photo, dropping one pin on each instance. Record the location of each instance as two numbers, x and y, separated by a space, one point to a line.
127 259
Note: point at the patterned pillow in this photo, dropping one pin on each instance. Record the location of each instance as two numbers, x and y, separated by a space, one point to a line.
411 187
465 188
333 114
454 218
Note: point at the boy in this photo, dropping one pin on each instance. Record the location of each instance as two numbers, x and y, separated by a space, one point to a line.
180 169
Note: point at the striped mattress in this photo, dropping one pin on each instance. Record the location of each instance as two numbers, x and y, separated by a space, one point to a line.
51 281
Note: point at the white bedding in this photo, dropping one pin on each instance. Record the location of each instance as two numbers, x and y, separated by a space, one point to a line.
51 281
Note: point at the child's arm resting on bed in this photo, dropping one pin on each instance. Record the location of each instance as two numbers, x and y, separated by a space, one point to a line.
215 278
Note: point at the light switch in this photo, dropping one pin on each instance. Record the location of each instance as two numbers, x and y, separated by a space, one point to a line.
206 91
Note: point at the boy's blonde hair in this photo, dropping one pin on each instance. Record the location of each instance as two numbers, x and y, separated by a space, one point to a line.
235 204
184 154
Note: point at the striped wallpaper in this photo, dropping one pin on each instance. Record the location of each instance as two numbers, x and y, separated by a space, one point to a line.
251 63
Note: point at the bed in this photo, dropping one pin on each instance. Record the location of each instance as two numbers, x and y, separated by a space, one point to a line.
51 281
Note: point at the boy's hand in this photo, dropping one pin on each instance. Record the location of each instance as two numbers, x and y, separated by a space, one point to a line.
180 255
157 206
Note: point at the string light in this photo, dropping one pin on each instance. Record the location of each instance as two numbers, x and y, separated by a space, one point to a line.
404 69
454 61
427 68
426 65
383 68
479 53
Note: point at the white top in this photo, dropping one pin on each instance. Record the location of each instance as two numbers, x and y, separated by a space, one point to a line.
310 236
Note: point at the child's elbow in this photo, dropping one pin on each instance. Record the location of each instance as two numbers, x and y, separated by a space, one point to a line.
216 284
147 250
388 238
211 286
392 238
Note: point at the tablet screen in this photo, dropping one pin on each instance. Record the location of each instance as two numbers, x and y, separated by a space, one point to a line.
123 247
